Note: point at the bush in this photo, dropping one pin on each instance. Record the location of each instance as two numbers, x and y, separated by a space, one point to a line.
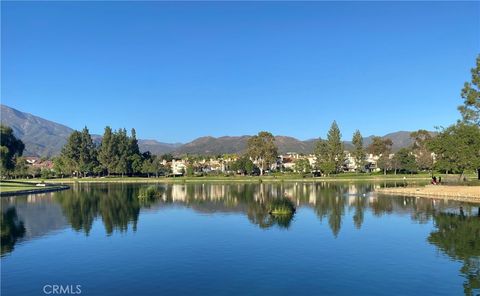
149 193
281 206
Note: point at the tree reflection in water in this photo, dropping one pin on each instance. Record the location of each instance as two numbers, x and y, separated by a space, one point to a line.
118 206
458 236
12 229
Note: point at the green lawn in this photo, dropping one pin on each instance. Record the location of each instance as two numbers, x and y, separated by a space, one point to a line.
13 186
346 177
269 178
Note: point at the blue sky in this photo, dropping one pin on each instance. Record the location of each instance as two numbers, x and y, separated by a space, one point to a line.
177 71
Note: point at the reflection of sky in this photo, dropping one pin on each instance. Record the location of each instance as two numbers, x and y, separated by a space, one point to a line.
179 251
39 214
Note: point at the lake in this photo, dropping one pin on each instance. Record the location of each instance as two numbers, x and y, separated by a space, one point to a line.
220 239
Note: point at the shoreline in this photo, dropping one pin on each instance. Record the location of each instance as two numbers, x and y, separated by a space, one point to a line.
267 179
447 192
49 188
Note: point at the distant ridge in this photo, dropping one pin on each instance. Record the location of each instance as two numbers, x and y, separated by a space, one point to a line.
46 138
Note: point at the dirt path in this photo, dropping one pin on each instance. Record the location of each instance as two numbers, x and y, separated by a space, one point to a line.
460 193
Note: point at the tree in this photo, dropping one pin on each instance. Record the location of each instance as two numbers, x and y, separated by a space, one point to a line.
335 147
71 152
158 167
382 148
60 166
404 160
88 153
359 153
457 148
21 168
302 165
147 167
323 161
79 153
123 148
261 148
107 151
137 163
470 109
243 165
167 157
423 155
10 148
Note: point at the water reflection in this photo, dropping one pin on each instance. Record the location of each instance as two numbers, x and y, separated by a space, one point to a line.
11 229
455 225
118 206
458 236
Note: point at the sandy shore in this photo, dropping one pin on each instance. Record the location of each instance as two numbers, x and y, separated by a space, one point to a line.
460 193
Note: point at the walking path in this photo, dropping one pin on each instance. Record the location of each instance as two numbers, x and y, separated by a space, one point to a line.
460 193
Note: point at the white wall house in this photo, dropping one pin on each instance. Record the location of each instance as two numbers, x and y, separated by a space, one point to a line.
179 167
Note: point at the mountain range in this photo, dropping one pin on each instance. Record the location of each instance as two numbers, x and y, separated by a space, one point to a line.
46 138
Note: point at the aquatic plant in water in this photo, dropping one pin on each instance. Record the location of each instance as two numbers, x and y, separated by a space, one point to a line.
149 193
281 206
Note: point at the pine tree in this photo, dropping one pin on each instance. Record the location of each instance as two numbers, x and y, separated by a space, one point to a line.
323 161
88 153
359 153
107 151
122 158
71 153
335 147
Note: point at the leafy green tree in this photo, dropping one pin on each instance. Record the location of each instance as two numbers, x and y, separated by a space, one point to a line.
34 171
457 148
147 167
167 157
359 153
405 161
262 149
137 163
323 161
60 166
382 148
79 153
21 167
158 167
10 148
470 109
302 165
423 155
335 147
190 170
243 165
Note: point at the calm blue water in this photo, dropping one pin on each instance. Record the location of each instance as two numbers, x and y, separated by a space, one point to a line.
219 239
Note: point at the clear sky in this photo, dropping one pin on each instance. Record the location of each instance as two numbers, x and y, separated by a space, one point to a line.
177 71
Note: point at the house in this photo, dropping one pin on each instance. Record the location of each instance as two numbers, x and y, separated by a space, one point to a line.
179 167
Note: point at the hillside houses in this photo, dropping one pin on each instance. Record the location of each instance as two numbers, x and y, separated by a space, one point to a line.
285 163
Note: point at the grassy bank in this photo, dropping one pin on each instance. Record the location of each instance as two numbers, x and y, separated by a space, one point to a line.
21 187
270 178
